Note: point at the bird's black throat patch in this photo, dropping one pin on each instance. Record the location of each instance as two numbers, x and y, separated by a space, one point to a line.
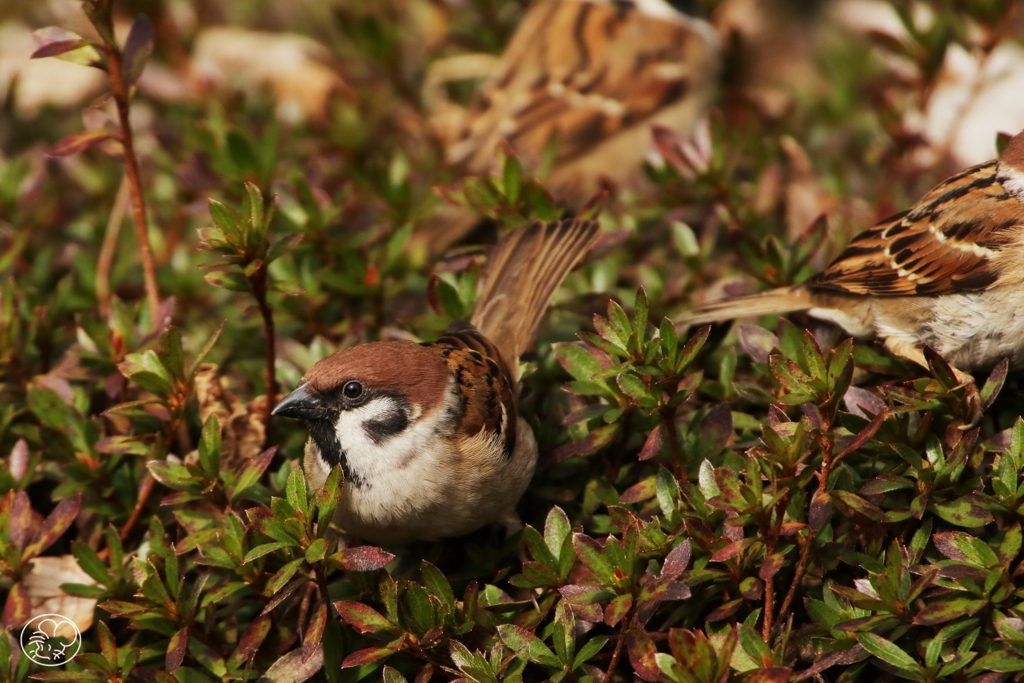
326 439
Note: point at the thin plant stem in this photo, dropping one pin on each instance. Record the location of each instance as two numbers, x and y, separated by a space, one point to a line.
805 550
617 652
769 584
131 167
145 489
107 251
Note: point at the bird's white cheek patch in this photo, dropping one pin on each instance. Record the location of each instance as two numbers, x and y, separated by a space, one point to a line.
372 458
1013 180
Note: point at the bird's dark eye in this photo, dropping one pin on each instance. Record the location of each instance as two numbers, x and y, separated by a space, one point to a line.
352 390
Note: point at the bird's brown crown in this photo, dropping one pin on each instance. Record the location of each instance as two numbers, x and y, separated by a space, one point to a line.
414 370
1013 155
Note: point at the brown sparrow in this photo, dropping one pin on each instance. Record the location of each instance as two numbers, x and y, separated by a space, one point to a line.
589 77
948 273
427 434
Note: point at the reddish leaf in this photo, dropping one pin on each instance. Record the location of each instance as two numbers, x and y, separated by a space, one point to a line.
821 510
585 594
365 558
17 609
941 612
23 520
364 619
176 648
771 566
55 40
852 505
78 142
593 442
715 429
655 440
254 635
676 561
315 632
639 492
137 48
733 549
642 653
54 526
108 647
863 403
122 608
372 654
773 674
945 542
617 609
863 436
757 342
590 613
591 553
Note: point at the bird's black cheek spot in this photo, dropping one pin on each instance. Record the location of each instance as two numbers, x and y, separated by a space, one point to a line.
382 428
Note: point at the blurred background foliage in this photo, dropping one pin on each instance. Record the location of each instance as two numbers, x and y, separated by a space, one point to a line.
764 504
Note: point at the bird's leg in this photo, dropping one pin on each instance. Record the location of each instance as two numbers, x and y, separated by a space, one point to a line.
912 352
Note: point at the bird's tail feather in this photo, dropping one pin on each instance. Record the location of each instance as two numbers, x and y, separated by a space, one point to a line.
526 268
772 302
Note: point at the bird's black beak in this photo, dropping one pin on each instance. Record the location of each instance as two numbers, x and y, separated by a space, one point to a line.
300 404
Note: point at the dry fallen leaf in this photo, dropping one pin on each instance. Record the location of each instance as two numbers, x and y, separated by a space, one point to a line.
241 424
45 596
291 66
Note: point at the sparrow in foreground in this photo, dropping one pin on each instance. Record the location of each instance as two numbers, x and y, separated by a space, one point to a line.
590 78
428 435
948 273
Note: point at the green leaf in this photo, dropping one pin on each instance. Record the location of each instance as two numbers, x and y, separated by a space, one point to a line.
283 576
209 447
511 176
53 527
641 308
631 385
591 554
205 351
438 585
295 491
519 639
90 563
265 549
556 530
891 654
963 512
591 648
233 281
576 360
